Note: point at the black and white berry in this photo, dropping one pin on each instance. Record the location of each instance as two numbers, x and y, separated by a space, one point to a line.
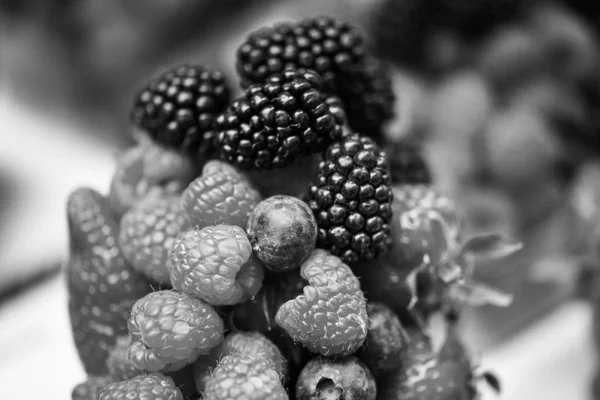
275 122
351 199
283 232
178 109
326 378
407 164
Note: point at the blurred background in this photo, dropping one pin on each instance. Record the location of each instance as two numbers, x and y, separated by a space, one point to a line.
503 95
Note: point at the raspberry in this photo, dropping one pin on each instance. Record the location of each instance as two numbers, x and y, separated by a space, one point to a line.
283 232
178 109
89 389
386 340
143 387
148 232
351 199
170 330
323 44
251 344
346 378
277 121
96 266
330 318
119 367
242 376
147 170
407 165
220 195
216 265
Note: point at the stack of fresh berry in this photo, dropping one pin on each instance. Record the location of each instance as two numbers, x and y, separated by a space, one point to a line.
189 280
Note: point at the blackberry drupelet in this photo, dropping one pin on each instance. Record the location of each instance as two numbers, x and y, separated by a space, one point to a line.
178 109
351 199
407 165
276 121
322 44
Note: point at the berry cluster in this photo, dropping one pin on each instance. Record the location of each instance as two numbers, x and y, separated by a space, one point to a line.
201 284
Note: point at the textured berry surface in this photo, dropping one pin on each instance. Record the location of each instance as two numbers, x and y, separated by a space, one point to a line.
386 340
277 121
178 109
102 285
407 165
89 389
283 232
330 317
366 92
97 267
216 265
351 199
346 378
143 387
241 376
149 170
119 367
220 196
170 330
251 344
323 44
148 232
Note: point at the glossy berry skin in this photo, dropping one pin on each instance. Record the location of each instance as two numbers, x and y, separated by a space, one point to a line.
330 317
220 196
241 376
407 165
345 378
351 199
386 340
283 232
119 367
277 121
89 389
323 44
251 344
102 285
144 387
148 232
178 108
170 330
148 170
215 264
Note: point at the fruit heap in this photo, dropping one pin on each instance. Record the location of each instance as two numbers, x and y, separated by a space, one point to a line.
195 277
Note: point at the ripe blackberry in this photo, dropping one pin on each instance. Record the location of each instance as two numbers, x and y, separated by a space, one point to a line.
335 51
366 91
407 165
351 199
276 121
323 44
178 109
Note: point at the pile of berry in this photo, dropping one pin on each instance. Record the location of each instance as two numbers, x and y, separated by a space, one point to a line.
266 247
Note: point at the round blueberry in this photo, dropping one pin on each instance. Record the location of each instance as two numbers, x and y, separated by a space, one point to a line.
283 232
341 379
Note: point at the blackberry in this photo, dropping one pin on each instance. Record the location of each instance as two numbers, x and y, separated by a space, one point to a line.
322 44
178 109
407 165
276 121
367 92
351 199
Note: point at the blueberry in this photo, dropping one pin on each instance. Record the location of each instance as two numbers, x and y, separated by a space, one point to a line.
283 232
342 379
386 340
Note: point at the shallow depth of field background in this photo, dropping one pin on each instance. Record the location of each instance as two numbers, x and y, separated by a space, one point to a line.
500 117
